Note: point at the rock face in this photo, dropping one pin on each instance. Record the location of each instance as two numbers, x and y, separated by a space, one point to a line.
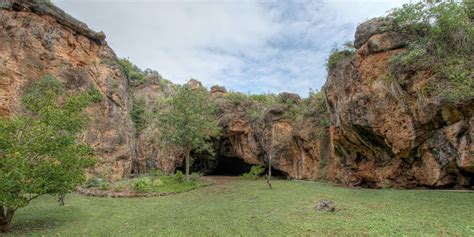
150 155
298 149
383 134
40 39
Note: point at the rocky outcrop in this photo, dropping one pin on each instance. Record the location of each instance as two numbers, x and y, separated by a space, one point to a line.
150 155
297 149
38 39
383 133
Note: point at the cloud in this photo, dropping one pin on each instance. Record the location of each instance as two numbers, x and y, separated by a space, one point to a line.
248 46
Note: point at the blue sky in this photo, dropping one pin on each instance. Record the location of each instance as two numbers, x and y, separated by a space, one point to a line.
248 46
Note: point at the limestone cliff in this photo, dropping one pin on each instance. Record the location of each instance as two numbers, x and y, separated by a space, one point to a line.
39 39
383 133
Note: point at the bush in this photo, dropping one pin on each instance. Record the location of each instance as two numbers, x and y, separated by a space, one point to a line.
195 176
444 41
146 184
236 97
104 186
179 176
254 172
338 54
95 182
138 114
133 73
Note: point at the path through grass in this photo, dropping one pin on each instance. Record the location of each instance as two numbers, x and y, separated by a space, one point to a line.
249 208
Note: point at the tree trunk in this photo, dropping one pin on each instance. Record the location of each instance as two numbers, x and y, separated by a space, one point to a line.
269 176
187 165
6 217
270 166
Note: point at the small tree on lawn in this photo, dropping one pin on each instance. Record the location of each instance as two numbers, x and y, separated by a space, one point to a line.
39 153
188 121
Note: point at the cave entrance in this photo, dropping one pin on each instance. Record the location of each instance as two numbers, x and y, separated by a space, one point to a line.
231 166
218 165
226 166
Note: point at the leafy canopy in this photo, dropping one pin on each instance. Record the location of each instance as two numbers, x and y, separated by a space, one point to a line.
39 153
188 120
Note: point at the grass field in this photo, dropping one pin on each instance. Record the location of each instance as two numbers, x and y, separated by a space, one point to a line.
249 208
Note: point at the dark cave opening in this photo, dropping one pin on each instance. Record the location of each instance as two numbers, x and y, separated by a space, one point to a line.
224 166
231 166
224 162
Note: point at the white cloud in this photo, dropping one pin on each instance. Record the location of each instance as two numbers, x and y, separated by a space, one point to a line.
244 45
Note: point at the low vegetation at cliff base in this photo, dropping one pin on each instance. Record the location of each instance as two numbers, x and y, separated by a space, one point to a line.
154 182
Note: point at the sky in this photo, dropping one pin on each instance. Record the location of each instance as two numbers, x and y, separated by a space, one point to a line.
244 45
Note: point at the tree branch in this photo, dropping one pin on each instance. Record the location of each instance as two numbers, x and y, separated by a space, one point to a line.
31 198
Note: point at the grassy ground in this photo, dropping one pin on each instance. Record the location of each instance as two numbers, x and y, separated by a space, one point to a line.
250 208
146 184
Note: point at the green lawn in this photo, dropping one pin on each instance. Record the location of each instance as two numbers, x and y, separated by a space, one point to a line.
250 208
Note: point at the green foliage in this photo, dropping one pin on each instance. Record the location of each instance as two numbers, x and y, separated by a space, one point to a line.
179 176
261 103
138 114
236 97
39 154
95 182
188 120
444 41
388 78
195 176
147 184
458 84
95 95
154 182
133 73
337 54
255 172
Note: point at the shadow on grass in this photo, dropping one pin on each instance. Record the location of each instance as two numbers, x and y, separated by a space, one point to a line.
51 218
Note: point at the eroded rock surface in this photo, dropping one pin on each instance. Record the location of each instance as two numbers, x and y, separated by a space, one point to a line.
383 133
40 39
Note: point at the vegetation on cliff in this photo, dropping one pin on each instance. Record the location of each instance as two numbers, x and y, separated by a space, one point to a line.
39 152
339 53
441 41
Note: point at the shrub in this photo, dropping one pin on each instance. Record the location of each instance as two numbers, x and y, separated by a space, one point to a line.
254 172
444 41
337 54
236 97
195 176
104 186
133 73
179 176
95 182
146 184
138 114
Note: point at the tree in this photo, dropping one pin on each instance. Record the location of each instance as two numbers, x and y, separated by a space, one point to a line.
188 121
39 152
